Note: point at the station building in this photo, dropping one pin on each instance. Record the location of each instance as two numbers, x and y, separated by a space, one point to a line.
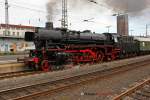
12 39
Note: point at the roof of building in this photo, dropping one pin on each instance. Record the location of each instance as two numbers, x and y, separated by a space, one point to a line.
143 39
17 26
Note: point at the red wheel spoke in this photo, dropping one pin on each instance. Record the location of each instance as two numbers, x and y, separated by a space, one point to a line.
45 65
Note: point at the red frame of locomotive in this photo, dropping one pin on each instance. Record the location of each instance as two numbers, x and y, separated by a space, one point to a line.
81 54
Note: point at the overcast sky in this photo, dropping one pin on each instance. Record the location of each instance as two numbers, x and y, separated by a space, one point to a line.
33 12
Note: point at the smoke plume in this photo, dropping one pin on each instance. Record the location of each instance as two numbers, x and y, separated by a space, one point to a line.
73 5
52 9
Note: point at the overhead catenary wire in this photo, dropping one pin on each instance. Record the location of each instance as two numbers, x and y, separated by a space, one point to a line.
25 3
31 9
28 7
12 4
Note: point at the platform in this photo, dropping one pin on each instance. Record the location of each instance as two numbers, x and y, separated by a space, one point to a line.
12 67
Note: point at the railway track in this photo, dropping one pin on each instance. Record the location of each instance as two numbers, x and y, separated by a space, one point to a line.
140 91
38 90
18 74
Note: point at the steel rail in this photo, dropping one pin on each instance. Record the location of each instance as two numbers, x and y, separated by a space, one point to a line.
18 74
132 90
73 83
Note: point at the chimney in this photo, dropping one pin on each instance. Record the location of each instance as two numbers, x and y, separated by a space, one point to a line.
49 25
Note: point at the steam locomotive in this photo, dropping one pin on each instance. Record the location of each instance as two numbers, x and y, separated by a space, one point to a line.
56 47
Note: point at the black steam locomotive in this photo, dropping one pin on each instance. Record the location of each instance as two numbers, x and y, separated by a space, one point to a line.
56 47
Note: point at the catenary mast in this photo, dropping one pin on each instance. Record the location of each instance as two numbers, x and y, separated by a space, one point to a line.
6 16
64 21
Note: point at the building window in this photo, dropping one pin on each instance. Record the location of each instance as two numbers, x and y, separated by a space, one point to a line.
8 33
13 33
17 33
4 32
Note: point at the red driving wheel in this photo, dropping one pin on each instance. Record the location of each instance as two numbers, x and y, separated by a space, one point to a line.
45 65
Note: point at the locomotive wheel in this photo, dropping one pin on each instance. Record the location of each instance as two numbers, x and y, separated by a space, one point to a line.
45 65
